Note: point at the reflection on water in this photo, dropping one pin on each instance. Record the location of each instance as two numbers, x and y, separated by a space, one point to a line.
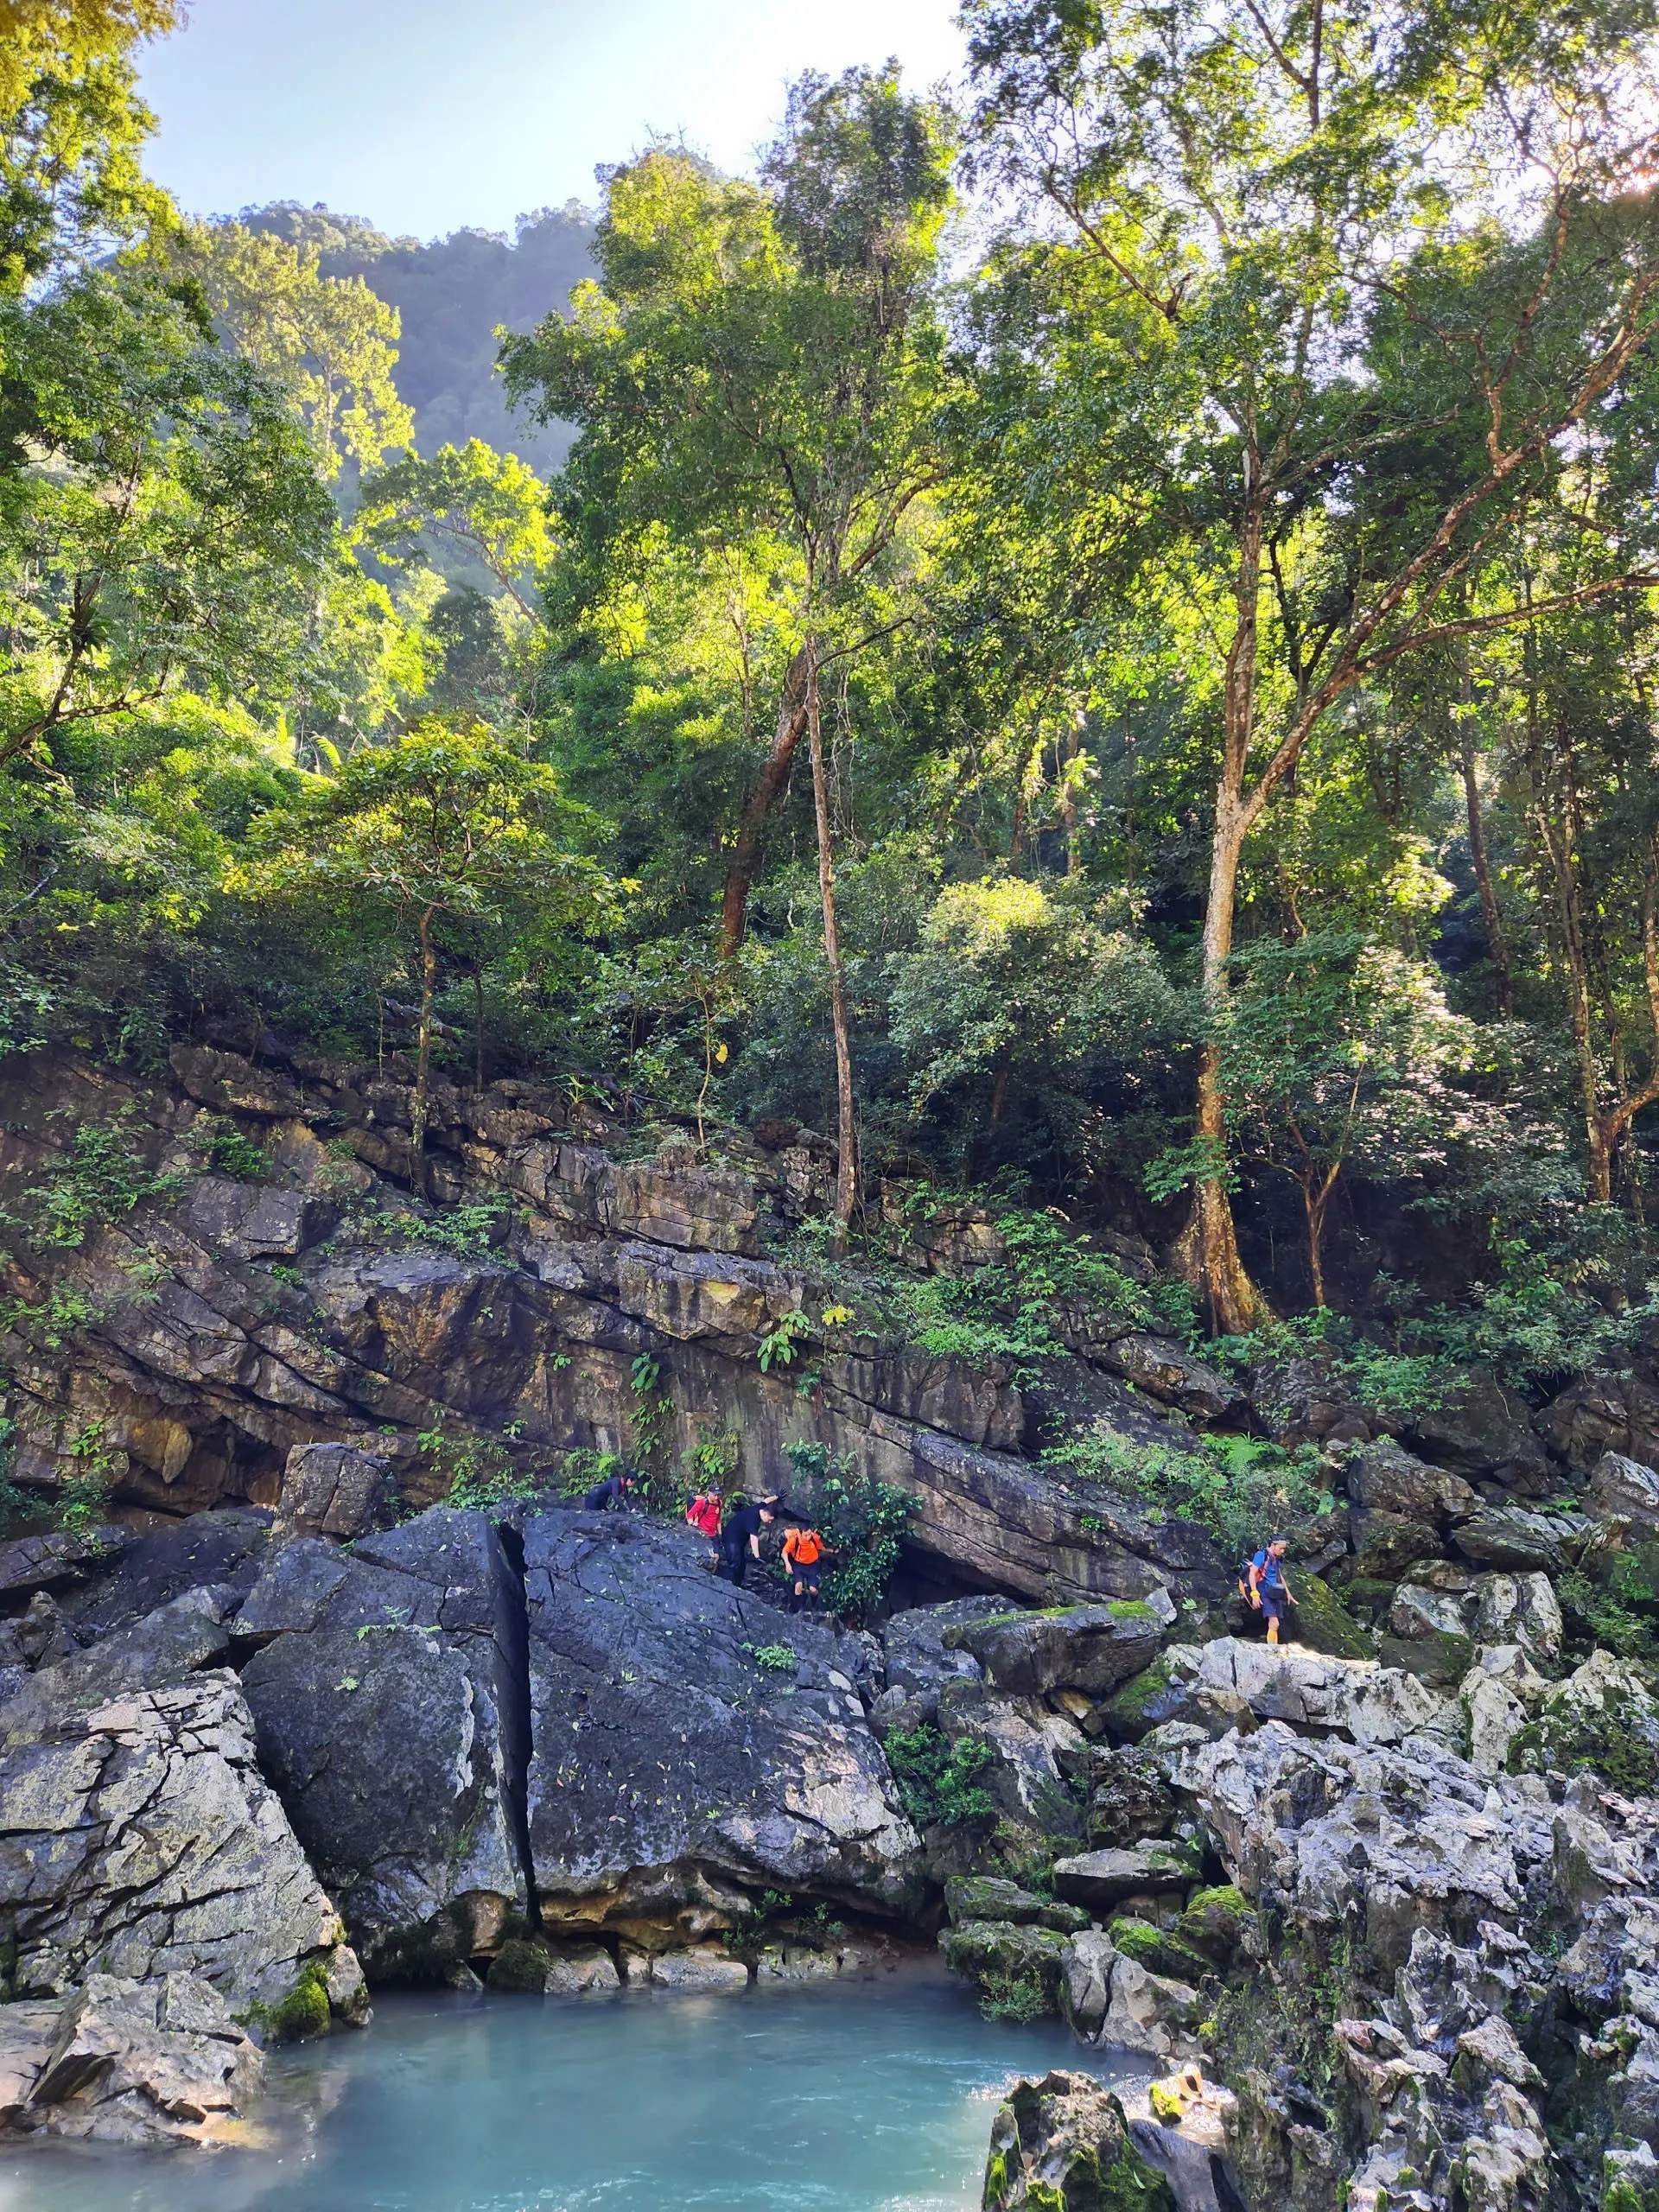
872 2097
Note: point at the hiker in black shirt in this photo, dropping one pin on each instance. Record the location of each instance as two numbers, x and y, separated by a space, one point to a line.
740 1539
611 1493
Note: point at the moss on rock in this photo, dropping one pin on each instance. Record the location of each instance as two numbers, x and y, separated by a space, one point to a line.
1159 1951
520 1968
1324 1624
304 2011
1219 1923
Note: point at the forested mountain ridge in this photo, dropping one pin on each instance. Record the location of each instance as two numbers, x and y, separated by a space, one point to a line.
451 295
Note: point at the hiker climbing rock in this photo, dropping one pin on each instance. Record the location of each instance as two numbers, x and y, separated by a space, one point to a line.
703 1512
804 1551
740 1539
612 1494
1264 1585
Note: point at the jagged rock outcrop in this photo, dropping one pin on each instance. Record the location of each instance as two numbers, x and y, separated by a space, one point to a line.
689 1741
389 1698
146 2064
306 1309
138 1839
1229 1683
1496 1938
1063 2144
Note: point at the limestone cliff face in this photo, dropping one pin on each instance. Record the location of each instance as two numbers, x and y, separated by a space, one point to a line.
234 1320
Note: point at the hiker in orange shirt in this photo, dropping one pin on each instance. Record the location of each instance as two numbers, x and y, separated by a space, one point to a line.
804 1551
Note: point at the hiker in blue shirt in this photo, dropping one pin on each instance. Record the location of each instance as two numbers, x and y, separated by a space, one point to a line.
1269 1592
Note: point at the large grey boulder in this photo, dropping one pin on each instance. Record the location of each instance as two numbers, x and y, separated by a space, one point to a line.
56 1559
1626 1493
1101 1880
1092 1649
139 1839
1167 1369
919 1661
1510 1537
156 2063
219 1551
1228 1682
1483 1430
330 1490
388 1696
690 1742
1386 1475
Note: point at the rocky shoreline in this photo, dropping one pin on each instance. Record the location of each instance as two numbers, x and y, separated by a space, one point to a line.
286 1725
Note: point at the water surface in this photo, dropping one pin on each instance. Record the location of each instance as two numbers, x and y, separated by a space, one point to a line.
871 2096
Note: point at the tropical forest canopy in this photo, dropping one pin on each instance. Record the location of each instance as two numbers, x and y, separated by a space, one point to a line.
1096 645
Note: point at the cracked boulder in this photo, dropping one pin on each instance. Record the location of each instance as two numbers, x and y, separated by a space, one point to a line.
150 2063
138 1839
387 1694
692 1744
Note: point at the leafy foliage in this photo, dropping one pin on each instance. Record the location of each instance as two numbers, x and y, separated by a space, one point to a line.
937 1780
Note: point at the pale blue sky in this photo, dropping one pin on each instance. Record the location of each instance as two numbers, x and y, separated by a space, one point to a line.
425 116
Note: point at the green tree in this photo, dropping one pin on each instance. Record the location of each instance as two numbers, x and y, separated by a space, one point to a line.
1337 1054
484 504
440 825
70 127
1284 323
169 525
767 360
329 340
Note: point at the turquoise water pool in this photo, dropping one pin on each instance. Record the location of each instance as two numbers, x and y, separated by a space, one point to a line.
871 2096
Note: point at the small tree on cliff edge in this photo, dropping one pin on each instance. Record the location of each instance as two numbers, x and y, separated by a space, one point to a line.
443 825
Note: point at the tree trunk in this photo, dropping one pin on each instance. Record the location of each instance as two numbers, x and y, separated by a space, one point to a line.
1496 944
791 721
999 1090
478 1032
1207 1250
845 1167
1313 1206
1560 840
424 1056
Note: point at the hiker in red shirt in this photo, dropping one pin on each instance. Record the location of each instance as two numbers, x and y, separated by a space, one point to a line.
703 1512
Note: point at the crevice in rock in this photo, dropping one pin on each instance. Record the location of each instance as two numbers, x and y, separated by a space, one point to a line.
513 1641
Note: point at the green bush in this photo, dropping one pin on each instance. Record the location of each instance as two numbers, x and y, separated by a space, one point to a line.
467 1231
864 1523
1231 1486
103 1179
937 1780
233 1155
1017 1997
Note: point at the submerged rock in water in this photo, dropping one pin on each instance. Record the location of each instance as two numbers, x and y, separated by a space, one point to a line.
389 1700
691 1743
153 2062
